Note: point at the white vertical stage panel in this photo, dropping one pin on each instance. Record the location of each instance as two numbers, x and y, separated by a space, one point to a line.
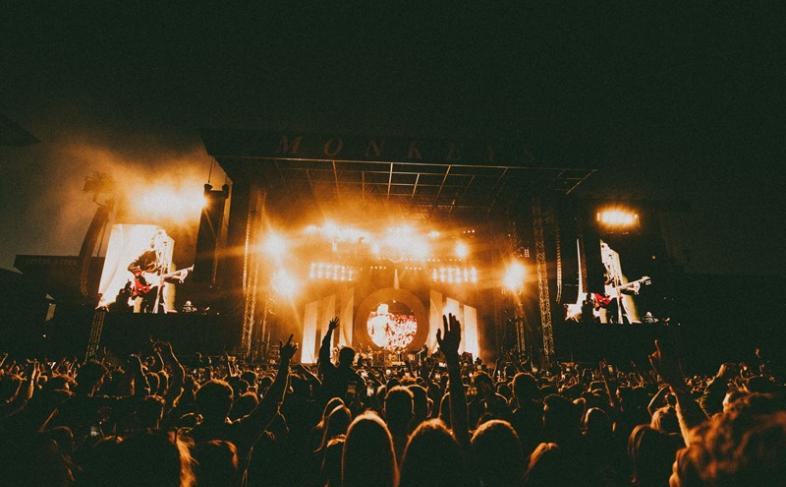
434 319
454 307
327 311
347 300
470 332
308 355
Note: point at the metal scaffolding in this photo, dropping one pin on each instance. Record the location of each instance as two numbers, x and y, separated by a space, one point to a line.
544 299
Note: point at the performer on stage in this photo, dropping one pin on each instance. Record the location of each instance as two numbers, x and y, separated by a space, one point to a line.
151 270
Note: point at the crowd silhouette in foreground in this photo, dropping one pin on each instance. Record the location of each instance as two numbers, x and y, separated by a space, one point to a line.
155 421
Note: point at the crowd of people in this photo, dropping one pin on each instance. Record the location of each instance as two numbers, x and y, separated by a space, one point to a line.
156 419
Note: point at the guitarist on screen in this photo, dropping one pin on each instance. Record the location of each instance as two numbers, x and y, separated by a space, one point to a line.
149 270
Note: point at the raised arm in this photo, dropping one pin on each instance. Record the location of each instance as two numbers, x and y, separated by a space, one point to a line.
610 385
711 400
497 367
268 407
449 345
667 365
178 374
24 392
657 400
135 375
324 349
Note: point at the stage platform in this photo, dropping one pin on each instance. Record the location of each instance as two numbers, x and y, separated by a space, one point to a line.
618 343
125 333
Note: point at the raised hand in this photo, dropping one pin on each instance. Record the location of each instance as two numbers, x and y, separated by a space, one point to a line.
135 364
333 323
727 371
31 370
603 367
451 338
288 349
667 365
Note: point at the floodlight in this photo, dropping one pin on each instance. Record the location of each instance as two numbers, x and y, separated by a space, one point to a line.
514 276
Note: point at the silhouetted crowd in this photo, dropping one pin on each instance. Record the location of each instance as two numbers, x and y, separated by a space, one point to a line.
154 420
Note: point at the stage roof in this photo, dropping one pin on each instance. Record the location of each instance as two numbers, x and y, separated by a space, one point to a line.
467 175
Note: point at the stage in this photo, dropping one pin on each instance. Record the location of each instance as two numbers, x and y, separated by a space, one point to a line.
388 234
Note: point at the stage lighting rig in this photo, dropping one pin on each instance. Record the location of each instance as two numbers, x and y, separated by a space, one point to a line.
332 272
454 275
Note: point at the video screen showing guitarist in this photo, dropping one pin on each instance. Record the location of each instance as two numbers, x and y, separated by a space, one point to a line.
151 270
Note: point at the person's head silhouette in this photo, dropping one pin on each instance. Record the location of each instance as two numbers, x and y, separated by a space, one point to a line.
369 459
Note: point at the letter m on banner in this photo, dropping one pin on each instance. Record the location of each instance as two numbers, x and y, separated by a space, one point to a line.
285 146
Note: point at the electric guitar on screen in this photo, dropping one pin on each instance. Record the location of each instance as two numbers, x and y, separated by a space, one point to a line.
632 287
144 282
574 311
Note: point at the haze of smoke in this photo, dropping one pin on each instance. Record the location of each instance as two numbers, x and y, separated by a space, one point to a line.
136 165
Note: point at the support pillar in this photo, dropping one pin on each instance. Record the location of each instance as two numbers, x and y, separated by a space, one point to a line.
209 235
544 299
240 276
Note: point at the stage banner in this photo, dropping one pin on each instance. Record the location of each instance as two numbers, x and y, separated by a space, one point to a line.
316 318
130 243
470 332
434 318
347 300
308 355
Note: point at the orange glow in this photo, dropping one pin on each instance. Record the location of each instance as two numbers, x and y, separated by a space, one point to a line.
284 284
515 274
618 217
177 203
462 250
275 245
406 243
331 230
333 272
455 275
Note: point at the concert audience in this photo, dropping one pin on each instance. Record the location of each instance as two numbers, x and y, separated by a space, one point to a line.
157 419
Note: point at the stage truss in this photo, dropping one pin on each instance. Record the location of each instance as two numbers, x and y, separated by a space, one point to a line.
333 172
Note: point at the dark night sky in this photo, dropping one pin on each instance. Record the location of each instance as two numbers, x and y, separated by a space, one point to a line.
686 103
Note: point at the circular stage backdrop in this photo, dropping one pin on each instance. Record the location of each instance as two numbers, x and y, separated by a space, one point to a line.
392 319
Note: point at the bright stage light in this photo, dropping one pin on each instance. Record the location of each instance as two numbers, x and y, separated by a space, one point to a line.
284 284
514 276
275 245
333 272
617 218
462 250
407 243
420 249
455 275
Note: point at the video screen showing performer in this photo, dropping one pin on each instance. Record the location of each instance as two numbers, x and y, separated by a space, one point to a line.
618 303
392 326
138 273
151 270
